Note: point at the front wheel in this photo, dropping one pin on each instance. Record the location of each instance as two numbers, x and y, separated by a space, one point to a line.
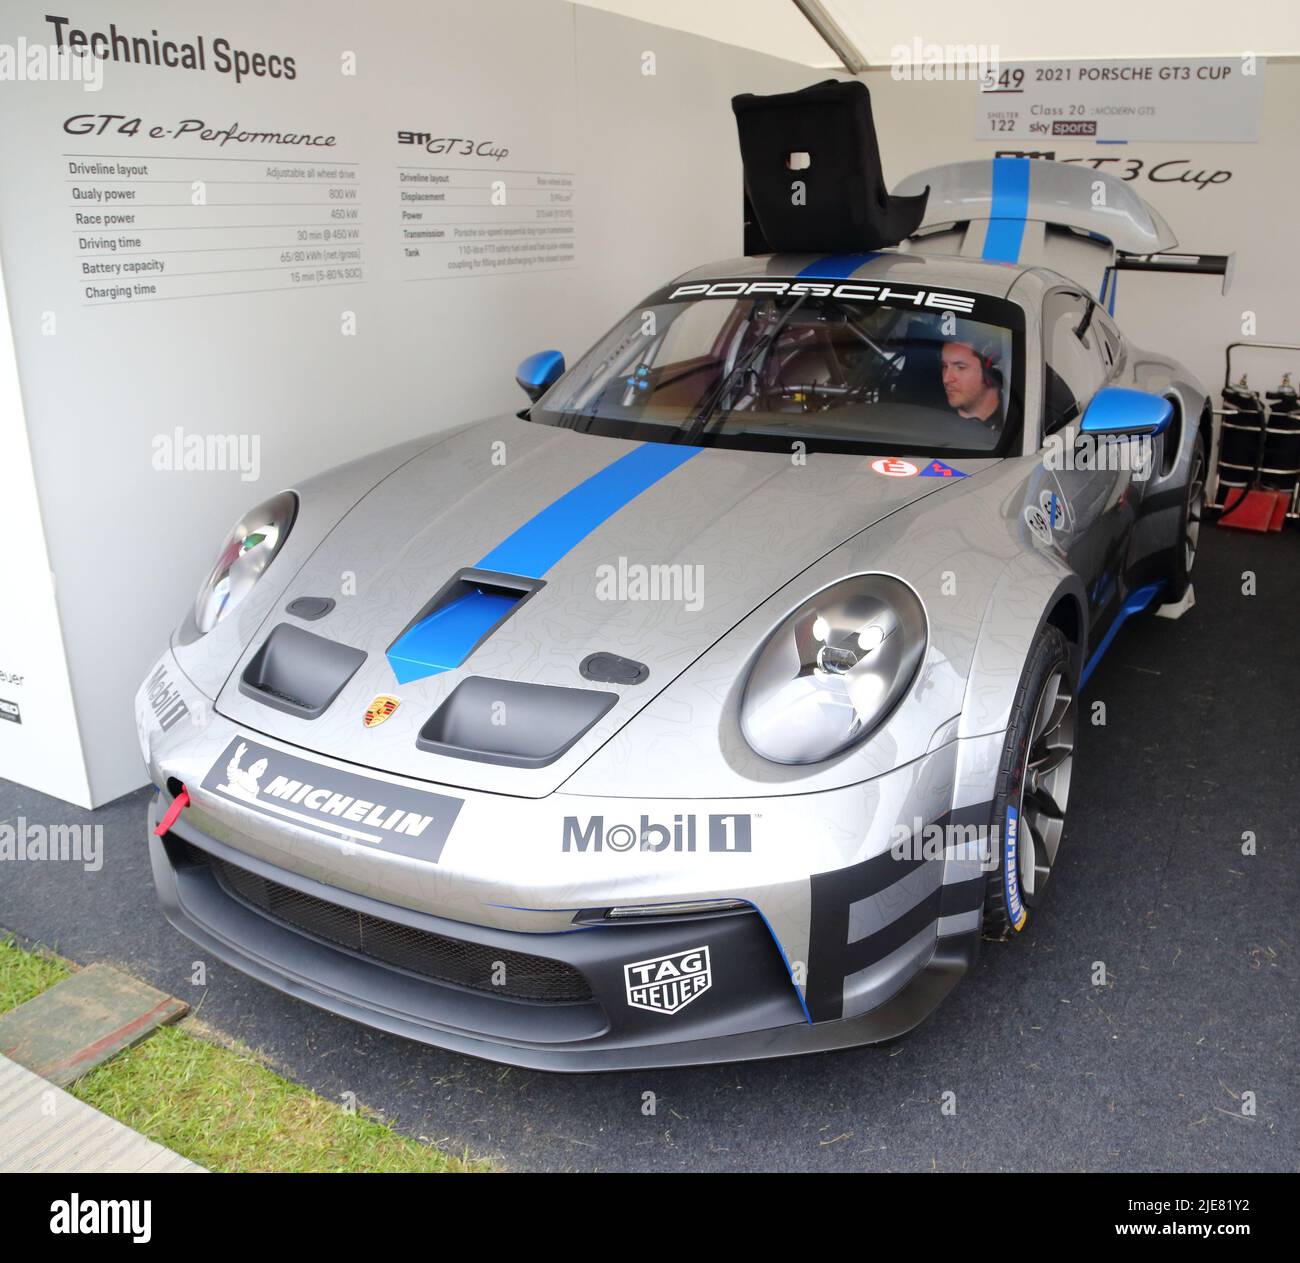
1033 787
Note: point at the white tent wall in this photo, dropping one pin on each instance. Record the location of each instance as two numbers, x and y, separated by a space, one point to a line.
104 388
40 744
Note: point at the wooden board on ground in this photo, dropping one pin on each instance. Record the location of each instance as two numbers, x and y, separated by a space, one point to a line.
84 1020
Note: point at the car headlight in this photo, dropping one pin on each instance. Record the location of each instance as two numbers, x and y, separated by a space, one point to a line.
833 670
250 547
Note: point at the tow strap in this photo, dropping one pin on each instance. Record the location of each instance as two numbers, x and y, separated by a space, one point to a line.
179 803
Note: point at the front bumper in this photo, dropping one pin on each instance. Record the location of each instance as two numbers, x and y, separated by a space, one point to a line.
749 1010
842 944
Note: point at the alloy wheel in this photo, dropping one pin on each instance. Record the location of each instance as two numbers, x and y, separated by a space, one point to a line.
1195 509
1045 783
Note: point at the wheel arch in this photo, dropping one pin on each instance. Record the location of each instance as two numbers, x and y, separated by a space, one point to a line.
1035 591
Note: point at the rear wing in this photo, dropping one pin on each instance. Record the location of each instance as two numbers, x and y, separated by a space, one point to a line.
1071 218
1193 264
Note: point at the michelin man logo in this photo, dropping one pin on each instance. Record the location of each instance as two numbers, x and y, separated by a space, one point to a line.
241 782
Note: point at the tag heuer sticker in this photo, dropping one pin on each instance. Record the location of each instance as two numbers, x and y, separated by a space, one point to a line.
667 984
339 804
380 709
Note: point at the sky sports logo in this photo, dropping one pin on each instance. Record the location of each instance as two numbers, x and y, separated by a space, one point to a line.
824 289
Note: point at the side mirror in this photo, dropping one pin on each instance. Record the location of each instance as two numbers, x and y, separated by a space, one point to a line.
1115 410
538 373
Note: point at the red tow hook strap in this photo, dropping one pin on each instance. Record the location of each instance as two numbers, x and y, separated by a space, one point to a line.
179 803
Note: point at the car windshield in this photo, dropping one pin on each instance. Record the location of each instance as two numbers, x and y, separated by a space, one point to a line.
834 366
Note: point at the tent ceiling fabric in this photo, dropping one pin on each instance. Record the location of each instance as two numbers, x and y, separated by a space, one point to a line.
1021 30
775 27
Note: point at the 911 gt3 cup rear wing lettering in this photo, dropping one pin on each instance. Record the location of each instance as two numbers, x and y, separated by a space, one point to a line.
1005 192
1080 222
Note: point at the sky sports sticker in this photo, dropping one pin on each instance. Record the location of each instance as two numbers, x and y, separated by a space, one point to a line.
342 805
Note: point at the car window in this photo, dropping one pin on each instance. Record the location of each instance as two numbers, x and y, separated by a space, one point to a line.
1076 369
1110 340
760 363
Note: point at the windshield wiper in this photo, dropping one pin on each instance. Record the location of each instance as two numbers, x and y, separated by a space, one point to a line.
742 365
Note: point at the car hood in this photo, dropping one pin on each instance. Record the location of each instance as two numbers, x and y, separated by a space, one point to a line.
719 533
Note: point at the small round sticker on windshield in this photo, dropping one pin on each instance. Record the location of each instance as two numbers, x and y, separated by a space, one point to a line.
894 467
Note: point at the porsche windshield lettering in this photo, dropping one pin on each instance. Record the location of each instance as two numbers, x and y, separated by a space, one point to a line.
822 289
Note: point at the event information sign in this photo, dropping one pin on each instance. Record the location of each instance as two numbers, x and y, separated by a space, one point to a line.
1215 99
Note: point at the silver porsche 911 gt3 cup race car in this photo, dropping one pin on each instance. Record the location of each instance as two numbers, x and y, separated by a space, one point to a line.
718 704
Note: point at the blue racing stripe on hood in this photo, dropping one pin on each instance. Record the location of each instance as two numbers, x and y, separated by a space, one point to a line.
838 267
537 545
1006 228
447 636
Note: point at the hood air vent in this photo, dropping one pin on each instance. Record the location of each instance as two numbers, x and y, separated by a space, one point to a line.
512 723
299 672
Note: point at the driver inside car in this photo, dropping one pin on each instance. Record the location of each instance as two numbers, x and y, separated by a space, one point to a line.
972 380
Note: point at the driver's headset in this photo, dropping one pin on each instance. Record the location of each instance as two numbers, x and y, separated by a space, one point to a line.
989 355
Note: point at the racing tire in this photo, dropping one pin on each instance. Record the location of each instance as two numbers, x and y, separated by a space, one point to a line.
1033 787
1189 527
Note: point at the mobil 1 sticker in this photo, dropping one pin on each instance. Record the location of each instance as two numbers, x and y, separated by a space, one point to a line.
342 805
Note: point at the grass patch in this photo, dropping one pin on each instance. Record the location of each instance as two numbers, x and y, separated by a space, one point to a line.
223 1109
219 1105
25 974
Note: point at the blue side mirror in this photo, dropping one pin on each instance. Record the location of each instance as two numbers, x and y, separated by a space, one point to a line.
1115 410
538 373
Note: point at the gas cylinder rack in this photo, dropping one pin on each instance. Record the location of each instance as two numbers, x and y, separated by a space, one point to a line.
1259 436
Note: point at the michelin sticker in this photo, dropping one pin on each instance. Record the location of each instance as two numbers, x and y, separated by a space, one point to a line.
667 984
342 805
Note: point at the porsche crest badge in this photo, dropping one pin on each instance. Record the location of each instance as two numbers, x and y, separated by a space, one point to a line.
380 709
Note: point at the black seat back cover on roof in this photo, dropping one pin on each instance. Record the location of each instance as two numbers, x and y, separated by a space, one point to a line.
844 206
